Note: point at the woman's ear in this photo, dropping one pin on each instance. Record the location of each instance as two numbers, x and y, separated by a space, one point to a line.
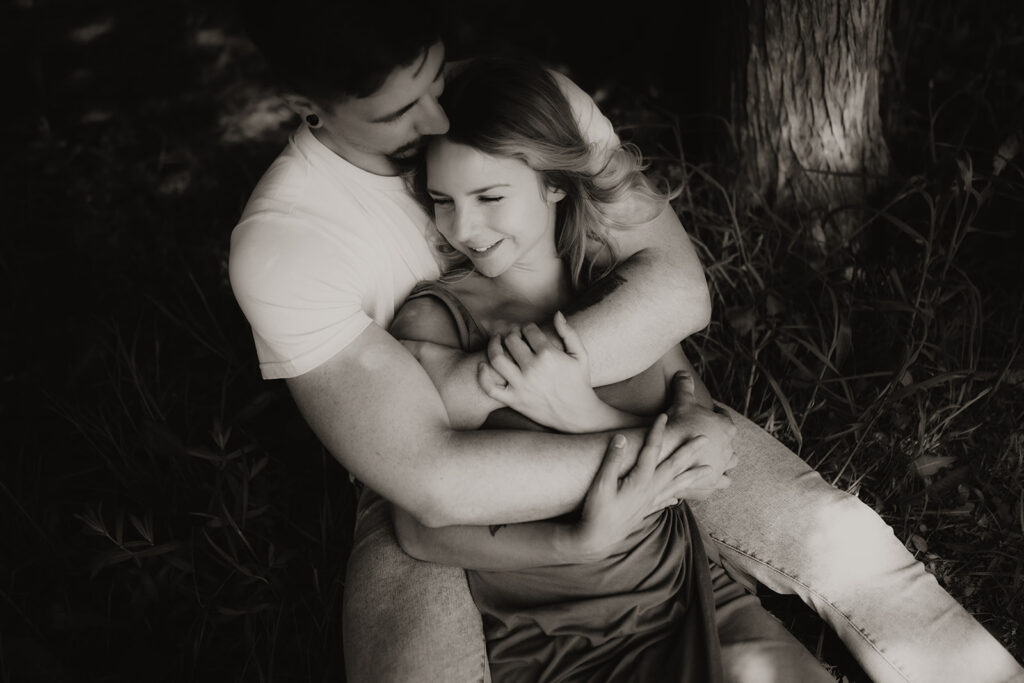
553 195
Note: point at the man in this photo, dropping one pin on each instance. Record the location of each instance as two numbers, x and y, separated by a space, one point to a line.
331 242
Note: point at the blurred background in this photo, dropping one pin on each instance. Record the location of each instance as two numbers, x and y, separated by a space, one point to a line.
167 515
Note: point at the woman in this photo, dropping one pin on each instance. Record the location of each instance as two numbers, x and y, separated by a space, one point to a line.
519 201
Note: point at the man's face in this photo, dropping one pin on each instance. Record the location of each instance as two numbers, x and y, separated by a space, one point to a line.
377 133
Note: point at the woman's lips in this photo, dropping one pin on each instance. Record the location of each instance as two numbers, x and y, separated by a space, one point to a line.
486 250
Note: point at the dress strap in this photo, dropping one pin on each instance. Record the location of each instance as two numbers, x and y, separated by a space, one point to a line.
471 335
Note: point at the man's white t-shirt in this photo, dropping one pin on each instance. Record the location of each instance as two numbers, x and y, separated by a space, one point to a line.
324 248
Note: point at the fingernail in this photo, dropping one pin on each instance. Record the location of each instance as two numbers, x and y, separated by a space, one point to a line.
618 441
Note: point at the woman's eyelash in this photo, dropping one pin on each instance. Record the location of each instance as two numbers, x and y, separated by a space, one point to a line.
445 200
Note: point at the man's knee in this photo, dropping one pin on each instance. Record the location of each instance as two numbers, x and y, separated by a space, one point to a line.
849 541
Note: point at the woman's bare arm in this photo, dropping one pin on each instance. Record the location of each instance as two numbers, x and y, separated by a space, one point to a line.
656 297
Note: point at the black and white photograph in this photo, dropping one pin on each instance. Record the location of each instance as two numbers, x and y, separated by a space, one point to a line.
441 341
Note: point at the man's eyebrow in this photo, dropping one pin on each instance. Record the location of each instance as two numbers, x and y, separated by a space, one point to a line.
395 114
480 191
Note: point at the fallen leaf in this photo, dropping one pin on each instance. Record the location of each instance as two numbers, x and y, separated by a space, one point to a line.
929 465
919 543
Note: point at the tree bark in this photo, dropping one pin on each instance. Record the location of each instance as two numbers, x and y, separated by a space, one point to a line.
805 103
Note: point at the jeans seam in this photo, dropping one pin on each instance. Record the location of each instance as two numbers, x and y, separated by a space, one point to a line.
867 638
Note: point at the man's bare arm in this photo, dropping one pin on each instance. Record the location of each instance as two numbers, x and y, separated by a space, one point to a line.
621 497
376 410
656 297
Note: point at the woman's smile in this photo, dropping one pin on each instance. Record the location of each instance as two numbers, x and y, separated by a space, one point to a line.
484 251
495 210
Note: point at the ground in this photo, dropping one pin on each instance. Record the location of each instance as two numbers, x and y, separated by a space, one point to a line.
168 516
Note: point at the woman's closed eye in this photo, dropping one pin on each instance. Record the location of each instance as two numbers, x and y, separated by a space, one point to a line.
441 201
490 198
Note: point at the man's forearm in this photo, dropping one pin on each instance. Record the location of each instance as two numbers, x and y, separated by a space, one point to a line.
635 315
656 297
499 548
501 476
376 410
627 321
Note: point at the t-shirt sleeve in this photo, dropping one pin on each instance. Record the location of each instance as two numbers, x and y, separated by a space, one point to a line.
594 125
301 292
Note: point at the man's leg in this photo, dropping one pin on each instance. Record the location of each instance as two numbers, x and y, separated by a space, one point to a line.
756 647
405 620
785 526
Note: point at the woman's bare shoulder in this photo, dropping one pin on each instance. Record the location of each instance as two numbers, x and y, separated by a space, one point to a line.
425 318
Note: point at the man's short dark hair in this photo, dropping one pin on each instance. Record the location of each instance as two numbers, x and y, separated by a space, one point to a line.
327 50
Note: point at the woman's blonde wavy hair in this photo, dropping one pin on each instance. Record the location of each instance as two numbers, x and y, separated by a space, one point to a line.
515 109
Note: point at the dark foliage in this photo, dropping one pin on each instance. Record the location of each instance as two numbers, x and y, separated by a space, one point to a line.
168 516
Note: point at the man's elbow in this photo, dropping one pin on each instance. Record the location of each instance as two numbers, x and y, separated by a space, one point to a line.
432 509
437 516
700 311
409 534
694 311
684 290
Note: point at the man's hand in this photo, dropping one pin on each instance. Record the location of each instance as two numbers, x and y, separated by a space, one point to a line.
688 419
627 490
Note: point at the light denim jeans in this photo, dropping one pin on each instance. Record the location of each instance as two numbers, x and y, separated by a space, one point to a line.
781 523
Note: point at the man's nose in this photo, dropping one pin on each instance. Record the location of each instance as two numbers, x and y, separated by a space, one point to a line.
433 120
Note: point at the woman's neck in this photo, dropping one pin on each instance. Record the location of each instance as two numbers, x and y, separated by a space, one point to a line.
543 284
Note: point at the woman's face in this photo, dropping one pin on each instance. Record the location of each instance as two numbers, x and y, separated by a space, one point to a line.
495 210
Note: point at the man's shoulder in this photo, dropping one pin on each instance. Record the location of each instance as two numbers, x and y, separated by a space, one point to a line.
297 207
294 185
290 234
593 124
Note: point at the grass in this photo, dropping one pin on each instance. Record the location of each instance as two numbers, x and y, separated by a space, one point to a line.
168 516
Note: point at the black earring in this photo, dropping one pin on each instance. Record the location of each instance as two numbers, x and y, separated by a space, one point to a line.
313 120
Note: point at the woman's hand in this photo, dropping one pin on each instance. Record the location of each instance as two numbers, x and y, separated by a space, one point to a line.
529 373
623 493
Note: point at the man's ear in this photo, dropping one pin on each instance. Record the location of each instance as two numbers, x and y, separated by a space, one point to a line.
553 195
299 104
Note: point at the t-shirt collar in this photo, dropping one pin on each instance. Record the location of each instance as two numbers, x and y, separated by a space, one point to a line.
314 149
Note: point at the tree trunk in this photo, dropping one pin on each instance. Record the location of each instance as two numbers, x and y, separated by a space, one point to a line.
805 104
798 80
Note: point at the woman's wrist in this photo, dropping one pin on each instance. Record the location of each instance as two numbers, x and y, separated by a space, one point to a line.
577 545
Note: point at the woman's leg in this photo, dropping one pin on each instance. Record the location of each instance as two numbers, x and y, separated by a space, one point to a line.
405 620
782 524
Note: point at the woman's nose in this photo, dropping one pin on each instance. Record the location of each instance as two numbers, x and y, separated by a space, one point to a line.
463 223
